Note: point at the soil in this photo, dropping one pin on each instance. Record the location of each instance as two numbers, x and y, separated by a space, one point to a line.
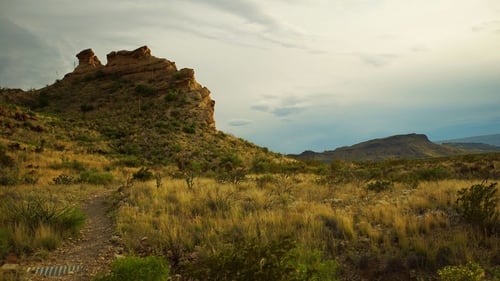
93 250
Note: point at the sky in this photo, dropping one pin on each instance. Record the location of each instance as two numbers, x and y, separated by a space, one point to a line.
289 75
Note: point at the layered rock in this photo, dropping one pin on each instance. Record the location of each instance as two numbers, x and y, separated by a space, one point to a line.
140 67
87 61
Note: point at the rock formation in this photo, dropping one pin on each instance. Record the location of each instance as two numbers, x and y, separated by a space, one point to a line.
87 61
140 67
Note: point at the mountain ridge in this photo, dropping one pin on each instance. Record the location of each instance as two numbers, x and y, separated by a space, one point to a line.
491 139
407 146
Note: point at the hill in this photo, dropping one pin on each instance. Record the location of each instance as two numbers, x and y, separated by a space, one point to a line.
474 146
493 139
137 109
411 146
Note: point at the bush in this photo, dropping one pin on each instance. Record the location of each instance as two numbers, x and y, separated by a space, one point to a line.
37 211
63 179
433 174
478 206
145 90
379 186
469 272
95 177
4 243
248 260
135 269
143 174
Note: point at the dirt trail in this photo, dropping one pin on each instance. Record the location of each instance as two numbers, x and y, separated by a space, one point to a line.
93 250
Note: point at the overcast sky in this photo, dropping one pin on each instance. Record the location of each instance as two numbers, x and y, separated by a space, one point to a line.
289 75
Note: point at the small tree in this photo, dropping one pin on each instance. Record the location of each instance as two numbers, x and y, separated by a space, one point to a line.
478 206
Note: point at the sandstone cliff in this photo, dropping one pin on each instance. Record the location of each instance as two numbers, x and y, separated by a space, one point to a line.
141 68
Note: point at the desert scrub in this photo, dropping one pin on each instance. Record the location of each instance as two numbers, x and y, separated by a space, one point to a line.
37 223
135 268
469 272
248 260
478 206
96 177
144 174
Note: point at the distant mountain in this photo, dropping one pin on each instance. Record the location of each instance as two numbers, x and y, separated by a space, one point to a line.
474 146
411 146
485 139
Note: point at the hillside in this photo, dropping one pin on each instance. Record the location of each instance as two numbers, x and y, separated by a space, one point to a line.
485 139
137 109
411 146
474 146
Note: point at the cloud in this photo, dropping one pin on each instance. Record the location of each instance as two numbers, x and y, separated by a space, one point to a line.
239 122
244 9
491 25
281 106
377 60
259 26
261 107
286 111
26 60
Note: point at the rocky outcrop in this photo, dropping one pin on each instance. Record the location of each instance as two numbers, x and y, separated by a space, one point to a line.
87 61
140 67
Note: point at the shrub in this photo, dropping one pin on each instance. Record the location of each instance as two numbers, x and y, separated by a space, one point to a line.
95 177
63 179
145 90
143 174
4 243
433 174
251 259
478 206
136 268
469 272
311 266
247 260
379 186
171 95
37 211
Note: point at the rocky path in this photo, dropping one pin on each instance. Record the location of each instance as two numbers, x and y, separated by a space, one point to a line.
93 251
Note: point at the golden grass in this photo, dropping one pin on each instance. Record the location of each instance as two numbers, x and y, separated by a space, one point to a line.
401 221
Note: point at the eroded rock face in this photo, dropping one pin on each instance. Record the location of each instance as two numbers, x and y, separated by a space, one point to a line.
117 57
140 67
87 61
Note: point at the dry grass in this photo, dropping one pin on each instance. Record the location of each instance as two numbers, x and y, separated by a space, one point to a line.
346 218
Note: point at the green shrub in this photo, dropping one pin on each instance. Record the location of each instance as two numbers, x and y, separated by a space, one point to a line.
311 266
250 259
143 174
379 186
145 90
66 164
469 272
478 206
4 243
97 178
247 260
137 269
171 95
36 211
63 179
433 174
